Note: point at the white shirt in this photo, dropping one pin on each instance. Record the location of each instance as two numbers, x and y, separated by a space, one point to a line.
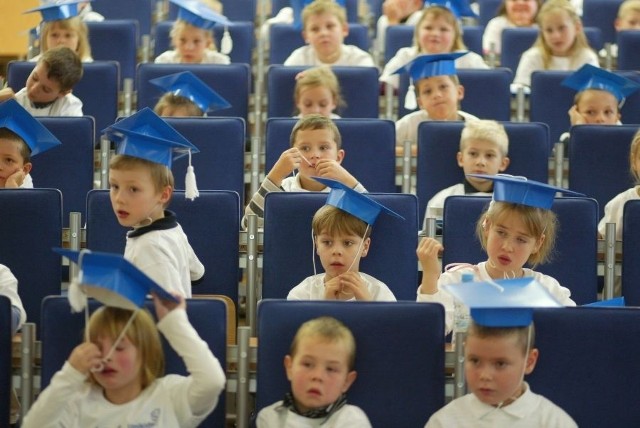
407 126
9 288
69 105
27 183
531 61
493 33
349 56
209 57
435 205
276 416
37 58
312 288
614 210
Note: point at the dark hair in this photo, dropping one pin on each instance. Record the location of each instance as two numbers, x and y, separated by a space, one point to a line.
313 122
63 66
25 151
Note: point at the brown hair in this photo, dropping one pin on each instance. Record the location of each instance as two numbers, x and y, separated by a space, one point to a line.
171 100
161 175
23 148
328 329
179 25
313 122
436 12
522 335
63 66
334 221
316 77
318 7
74 24
633 154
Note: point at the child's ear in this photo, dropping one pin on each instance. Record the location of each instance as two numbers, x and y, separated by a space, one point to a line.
26 168
504 164
459 158
351 377
532 359
539 243
365 247
166 193
340 157
345 30
288 363
460 92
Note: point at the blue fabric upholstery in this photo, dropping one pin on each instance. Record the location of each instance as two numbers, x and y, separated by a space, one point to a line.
628 48
5 361
116 40
601 14
140 10
630 268
488 10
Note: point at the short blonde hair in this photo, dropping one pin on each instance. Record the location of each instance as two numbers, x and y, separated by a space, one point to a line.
525 338
633 155
334 221
178 27
330 330
318 77
436 12
318 7
74 24
487 130
628 6
313 122
161 175
171 100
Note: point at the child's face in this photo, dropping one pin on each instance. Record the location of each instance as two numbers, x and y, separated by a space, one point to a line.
316 99
481 157
435 35
494 366
337 252
11 161
325 33
439 96
630 21
521 12
191 44
134 197
318 372
120 377
41 89
316 144
598 107
559 32
58 36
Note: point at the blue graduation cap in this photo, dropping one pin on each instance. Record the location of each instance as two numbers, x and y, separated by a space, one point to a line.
199 14
503 303
56 10
15 118
616 302
299 5
460 8
429 65
355 203
520 190
590 77
188 85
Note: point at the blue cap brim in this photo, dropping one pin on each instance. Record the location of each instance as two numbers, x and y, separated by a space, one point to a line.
188 85
616 302
427 65
591 77
198 14
460 8
15 118
57 10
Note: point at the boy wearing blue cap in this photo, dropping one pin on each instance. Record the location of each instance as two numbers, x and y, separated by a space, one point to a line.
141 186
186 95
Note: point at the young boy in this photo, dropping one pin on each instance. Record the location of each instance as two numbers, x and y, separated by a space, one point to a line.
499 352
484 146
320 367
437 90
48 90
628 19
141 186
186 95
341 234
316 150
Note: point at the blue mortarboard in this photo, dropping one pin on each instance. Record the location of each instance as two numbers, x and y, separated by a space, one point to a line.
355 203
590 77
112 280
198 14
299 5
188 85
616 302
460 8
56 10
520 190
503 303
15 118
426 65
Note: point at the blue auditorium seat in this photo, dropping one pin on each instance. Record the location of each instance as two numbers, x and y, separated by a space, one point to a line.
601 14
116 40
488 10
6 361
630 267
350 5
140 10
628 48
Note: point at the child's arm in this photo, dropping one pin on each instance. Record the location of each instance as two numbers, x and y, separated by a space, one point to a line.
9 288
427 253
329 168
575 116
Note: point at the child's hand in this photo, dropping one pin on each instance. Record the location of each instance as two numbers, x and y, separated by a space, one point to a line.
15 180
575 116
163 307
391 10
6 94
85 356
352 283
288 161
332 288
427 253
329 168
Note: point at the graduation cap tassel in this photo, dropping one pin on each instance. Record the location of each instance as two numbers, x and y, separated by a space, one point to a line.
226 44
191 188
410 102
77 297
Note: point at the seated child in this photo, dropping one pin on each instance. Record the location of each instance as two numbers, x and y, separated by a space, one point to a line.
511 14
498 352
484 146
324 27
116 377
317 91
141 186
316 150
327 344
517 228
396 12
341 234
628 19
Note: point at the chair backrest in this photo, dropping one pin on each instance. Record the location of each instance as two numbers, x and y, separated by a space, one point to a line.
31 226
369 146
140 10
576 243
599 161
98 88
231 81
581 354
601 14
396 363
211 222
359 87
116 40
439 143
630 268
350 5
472 37
488 10
287 219
285 38
62 331
628 48
5 361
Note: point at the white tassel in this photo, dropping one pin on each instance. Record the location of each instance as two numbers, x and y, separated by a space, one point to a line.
191 188
410 102
77 297
226 44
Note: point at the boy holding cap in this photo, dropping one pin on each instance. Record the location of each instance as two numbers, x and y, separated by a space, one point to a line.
186 95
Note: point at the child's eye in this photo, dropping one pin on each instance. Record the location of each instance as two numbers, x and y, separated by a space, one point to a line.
523 240
326 242
133 189
348 243
324 148
501 364
304 149
501 233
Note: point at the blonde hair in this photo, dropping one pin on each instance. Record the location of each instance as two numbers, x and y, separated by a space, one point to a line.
328 329
502 10
580 43
171 100
74 24
319 7
313 122
525 339
436 12
487 130
318 77
633 155
108 322
161 175
334 221
537 222
628 6
23 148
178 27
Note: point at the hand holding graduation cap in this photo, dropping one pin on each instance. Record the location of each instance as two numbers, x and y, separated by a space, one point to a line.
164 306
330 168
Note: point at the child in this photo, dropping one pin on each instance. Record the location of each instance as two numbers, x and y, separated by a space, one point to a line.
512 14
438 92
517 228
341 234
100 387
320 367
186 95
141 186
437 32
316 150
628 19
324 29
192 36
397 12
498 352
317 91
484 146
561 44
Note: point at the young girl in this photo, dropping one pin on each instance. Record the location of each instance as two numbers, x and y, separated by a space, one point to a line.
438 31
317 91
512 14
72 33
513 234
561 44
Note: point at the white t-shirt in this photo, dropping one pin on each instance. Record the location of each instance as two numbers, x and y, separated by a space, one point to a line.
276 416
209 57
69 105
531 61
614 210
312 288
407 126
349 56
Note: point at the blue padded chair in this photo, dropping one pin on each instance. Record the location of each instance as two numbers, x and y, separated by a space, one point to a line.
479 86
241 33
488 10
231 81
5 361
599 159
369 146
234 10
472 37
588 364
140 10
350 5
628 48
31 226
211 222
630 268
396 363
601 14
439 142
576 243
285 38
68 167
359 87
98 88
62 331
288 251
116 40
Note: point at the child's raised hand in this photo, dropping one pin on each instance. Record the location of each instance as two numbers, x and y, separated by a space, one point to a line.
352 283
85 356
329 168
427 253
6 94
575 116
15 180
289 160
163 307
